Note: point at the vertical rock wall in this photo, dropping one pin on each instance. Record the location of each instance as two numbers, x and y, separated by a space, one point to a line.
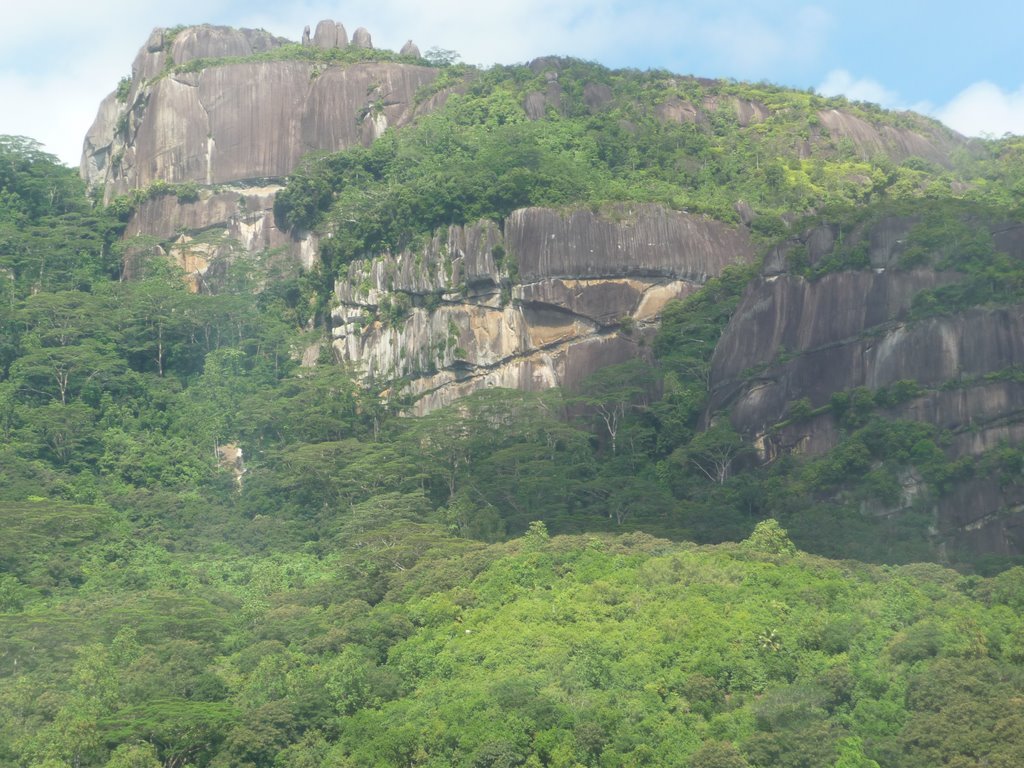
236 128
587 292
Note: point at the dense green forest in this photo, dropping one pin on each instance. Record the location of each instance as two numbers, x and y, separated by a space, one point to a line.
599 577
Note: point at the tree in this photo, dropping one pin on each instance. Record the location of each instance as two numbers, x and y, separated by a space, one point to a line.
717 754
714 451
62 372
138 755
614 391
771 538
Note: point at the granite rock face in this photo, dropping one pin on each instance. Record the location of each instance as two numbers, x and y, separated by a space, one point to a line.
361 38
330 34
935 144
590 289
237 128
244 121
793 339
645 240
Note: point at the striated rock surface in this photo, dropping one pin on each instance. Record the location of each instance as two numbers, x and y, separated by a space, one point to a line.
792 339
251 120
934 143
590 287
330 34
361 38
630 240
237 127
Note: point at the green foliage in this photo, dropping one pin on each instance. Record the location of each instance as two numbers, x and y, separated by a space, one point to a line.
770 538
575 649
689 332
292 52
124 87
351 598
50 236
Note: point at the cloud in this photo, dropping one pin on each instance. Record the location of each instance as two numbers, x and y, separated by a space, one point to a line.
980 109
839 82
985 109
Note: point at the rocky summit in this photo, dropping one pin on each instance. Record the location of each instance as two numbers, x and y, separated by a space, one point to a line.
374 409
233 142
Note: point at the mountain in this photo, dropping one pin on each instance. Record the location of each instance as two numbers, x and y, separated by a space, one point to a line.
231 112
363 408
527 226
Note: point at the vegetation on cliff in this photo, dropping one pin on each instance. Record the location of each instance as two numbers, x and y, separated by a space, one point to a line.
512 580
566 132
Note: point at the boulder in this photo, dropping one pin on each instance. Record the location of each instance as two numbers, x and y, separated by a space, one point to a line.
361 38
326 35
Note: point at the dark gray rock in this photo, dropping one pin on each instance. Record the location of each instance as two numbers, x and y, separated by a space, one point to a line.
810 338
745 212
887 238
820 242
1009 239
411 49
637 240
155 43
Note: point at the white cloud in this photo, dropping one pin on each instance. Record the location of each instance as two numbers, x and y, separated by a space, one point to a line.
839 82
985 109
981 109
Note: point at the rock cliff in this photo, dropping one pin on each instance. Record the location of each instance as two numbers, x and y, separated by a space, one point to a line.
794 339
237 124
589 288
542 298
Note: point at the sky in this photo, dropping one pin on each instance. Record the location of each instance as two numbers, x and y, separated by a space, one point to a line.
959 62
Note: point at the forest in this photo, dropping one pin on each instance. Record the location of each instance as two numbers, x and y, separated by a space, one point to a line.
597 577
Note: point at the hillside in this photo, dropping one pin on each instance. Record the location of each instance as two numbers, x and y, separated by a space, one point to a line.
419 279
363 408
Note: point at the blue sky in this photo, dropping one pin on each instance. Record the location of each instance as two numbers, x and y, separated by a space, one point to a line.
960 62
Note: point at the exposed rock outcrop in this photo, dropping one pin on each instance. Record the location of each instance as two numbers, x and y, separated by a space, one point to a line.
641 239
330 34
589 288
792 339
934 144
241 125
361 38
251 120
545 298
